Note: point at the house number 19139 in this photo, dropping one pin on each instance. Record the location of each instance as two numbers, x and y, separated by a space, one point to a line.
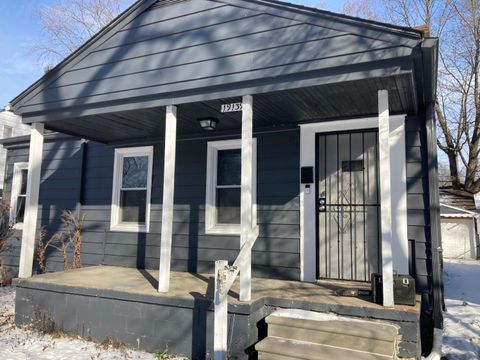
231 107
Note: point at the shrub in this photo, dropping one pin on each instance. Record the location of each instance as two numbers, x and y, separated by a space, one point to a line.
69 236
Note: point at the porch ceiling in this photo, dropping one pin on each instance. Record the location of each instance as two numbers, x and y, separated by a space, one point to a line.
276 109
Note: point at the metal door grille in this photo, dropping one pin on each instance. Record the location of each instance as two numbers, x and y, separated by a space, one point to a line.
348 205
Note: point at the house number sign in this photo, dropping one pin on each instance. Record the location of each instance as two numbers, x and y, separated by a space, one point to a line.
231 107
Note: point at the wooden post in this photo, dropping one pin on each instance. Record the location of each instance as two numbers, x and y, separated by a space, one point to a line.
385 197
31 202
220 336
246 207
167 204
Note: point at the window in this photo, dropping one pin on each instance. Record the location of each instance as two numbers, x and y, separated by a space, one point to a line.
19 193
132 182
222 213
7 131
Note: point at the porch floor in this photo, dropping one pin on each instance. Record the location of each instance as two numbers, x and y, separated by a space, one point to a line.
188 286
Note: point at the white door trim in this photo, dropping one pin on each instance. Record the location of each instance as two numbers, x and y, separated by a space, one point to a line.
308 133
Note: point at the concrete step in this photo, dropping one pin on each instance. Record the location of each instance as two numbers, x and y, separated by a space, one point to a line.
316 336
274 348
328 323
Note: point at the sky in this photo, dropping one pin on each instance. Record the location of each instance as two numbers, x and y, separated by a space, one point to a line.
20 31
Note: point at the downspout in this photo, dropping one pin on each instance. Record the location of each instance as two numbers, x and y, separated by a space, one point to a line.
434 205
477 237
430 69
83 149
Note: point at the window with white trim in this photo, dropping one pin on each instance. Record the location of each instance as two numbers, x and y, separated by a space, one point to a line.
132 186
19 193
7 131
222 208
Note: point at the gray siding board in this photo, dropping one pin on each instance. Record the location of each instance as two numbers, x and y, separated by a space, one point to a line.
287 217
256 44
239 68
417 199
416 202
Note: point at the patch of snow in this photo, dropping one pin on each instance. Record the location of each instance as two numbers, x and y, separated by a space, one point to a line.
318 316
21 343
461 337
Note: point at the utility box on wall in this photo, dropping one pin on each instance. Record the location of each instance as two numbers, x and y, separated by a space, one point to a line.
403 289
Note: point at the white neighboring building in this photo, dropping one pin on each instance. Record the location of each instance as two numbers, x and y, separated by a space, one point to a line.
460 224
10 125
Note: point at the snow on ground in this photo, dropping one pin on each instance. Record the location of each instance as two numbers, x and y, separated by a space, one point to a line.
23 344
461 338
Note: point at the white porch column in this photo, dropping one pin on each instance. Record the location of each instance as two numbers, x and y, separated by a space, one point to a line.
31 202
167 203
246 207
385 197
220 321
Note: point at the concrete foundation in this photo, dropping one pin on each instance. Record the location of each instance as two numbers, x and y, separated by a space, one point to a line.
123 304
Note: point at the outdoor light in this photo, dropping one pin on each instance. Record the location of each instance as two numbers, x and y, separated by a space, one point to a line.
208 123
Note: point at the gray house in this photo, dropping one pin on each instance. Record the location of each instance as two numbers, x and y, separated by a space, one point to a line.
202 139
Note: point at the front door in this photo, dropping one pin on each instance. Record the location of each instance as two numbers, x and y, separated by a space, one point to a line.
348 205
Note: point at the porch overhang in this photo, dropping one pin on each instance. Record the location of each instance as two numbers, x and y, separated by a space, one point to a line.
276 106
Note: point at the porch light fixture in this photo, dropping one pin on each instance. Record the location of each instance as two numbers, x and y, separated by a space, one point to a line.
208 123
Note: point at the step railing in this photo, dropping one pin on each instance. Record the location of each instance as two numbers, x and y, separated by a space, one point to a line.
225 276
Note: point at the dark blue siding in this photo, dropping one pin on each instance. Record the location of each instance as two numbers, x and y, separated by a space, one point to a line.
417 199
276 252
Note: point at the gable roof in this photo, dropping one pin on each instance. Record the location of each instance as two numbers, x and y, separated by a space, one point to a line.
165 51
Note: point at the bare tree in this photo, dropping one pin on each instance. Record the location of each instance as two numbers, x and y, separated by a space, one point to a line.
67 24
360 8
457 106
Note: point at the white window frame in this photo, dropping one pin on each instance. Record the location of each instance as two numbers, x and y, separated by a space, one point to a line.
211 226
115 223
5 128
16 186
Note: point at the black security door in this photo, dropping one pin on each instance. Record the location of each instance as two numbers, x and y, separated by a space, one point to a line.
348 205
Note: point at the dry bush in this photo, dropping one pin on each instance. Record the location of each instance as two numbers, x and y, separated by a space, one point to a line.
42 249
69 236
73 225
42 321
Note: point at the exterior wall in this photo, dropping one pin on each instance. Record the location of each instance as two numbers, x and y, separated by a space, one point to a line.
8 118
276 252
459 239
418 202
59 190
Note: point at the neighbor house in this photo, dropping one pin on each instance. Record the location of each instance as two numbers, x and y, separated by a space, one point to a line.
10 125
295 143
460 213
